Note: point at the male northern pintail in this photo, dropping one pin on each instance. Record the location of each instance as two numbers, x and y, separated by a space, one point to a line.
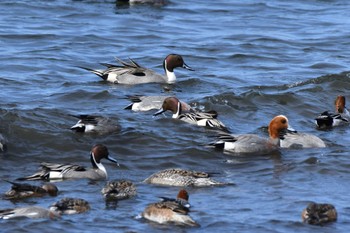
319 214
133 73
208 119
251 143
3 143
20 190
146 103
51 171
181 198
94 124
70 206
340 117
180 177
168 211
294 139
28 212
118 190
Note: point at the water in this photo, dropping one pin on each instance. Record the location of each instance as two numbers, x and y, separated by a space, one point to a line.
253 60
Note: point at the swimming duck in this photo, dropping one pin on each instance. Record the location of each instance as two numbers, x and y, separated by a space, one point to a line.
70 206
146 103
254 144
180 177
181 198
133 73
51 171
168 211
119 190
294 139
94 124
340 117
208 119
28 212
19 190
319 214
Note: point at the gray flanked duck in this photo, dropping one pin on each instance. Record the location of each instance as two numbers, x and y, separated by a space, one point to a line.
28 212
133 73
52 171
94 124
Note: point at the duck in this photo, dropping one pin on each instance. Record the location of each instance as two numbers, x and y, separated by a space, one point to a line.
23 190
131 2
207 119
168 211
69 205
118 190
328 119
181 198
181 177
147 103
252 143
94 124
132 73
296 140
53 171
33 212
319 214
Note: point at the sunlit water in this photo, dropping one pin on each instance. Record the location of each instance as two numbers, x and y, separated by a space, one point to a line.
253 60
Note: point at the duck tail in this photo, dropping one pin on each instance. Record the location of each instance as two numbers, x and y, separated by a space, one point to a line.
36 176
97 72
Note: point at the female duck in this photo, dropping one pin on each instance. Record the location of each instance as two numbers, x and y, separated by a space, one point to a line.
133 73
19 190
319 214
180 177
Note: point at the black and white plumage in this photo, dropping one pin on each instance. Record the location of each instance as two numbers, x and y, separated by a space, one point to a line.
133 73
52 171
94 124
208 119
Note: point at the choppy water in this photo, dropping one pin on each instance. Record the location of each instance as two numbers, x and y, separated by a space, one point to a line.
253 60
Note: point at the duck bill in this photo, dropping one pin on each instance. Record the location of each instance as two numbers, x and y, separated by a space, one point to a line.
113 160
160 111
291 130
187 67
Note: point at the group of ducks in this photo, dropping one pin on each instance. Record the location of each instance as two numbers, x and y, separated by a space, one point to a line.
168 209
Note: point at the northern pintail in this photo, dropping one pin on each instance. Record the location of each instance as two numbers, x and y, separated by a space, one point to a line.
181 198
51 171
146 103
118 190
294 139
70 206
133 73
20 190
252 143
319 214
168 211
340 117
180 177
208 119
28 212
94 124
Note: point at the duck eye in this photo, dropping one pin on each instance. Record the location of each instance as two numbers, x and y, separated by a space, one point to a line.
284 121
